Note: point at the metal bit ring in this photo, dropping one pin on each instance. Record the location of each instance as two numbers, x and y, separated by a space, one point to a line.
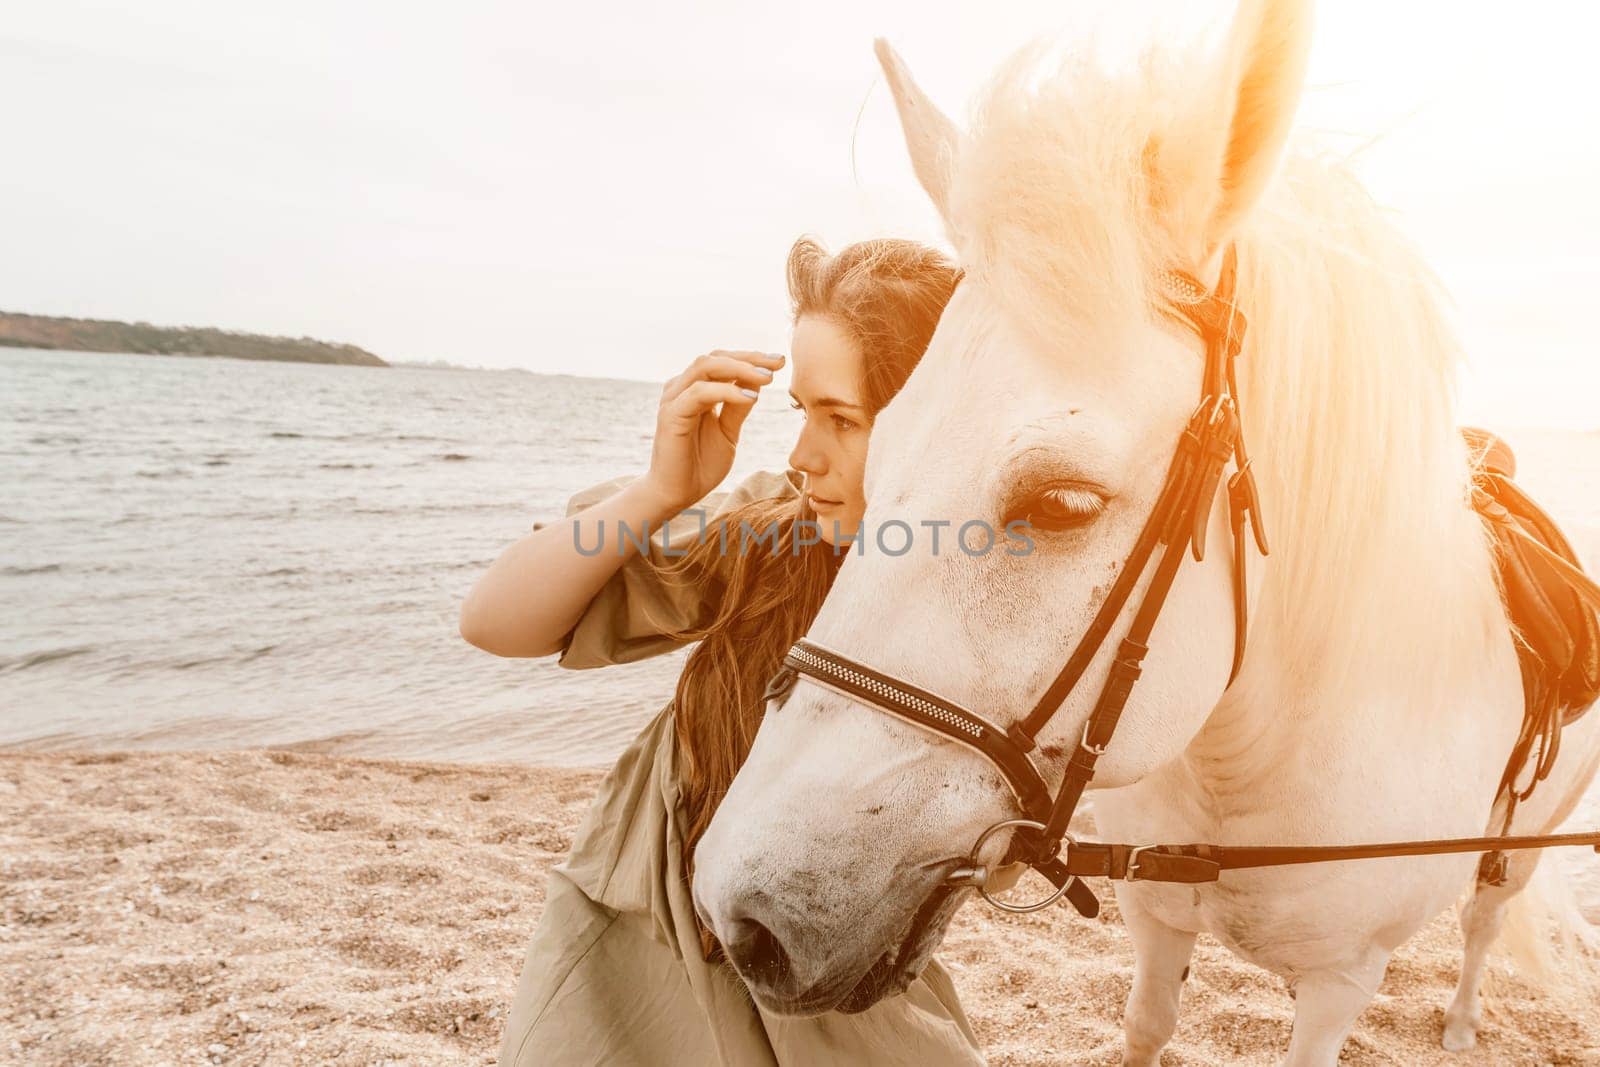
977 873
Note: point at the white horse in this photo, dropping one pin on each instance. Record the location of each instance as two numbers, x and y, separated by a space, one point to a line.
1379 696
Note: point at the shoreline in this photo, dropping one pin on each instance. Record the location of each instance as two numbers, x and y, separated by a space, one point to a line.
269 906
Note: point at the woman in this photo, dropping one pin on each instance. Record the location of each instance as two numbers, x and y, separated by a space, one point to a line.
621 970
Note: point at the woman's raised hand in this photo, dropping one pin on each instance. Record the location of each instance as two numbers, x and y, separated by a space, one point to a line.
697 426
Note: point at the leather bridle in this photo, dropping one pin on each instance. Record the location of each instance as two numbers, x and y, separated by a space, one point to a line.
1177 525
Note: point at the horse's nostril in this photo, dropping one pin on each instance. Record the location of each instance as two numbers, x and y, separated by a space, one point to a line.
756 952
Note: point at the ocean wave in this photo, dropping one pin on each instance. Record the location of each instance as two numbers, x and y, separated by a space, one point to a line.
361 435
326 744
199 661
40 658
18 570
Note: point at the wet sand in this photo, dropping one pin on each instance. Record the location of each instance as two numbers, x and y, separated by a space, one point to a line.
277 907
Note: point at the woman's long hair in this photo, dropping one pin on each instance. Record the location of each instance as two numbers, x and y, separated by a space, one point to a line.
887 295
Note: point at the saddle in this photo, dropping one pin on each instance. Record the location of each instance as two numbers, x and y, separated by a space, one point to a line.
1552 607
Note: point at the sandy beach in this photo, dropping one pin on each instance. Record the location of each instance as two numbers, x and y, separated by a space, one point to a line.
278 907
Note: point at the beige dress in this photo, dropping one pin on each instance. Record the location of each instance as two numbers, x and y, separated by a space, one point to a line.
615 974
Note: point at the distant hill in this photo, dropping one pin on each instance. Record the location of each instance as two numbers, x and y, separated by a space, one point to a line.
103 335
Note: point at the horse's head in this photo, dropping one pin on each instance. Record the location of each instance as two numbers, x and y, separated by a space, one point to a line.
1054 393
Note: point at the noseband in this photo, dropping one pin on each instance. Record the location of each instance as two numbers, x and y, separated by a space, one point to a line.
1176 525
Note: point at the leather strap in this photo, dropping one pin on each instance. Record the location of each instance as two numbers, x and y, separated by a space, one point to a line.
1204 863
1579 582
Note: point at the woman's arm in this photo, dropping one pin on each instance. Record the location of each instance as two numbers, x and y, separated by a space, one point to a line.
531 597
533 594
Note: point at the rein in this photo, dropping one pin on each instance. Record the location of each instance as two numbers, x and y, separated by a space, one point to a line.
1176 527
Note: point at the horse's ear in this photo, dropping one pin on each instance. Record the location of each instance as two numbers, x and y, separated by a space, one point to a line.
932 139
1214 169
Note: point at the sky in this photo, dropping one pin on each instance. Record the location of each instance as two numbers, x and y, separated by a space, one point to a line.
610 189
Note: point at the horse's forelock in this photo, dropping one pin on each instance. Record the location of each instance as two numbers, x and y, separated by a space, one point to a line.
1051 203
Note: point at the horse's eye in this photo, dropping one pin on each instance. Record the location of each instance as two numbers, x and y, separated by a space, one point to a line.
1059 508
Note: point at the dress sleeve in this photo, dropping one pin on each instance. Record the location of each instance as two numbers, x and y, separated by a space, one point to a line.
628 618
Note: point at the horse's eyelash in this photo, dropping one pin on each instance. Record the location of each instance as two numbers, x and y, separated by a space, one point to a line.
1077 499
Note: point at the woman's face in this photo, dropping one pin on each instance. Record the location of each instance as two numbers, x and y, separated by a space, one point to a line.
825 383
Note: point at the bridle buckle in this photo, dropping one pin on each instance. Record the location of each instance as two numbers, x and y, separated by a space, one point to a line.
1094 750
1132 873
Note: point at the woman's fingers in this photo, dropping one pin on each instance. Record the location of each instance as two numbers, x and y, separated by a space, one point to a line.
684 456
699 397
746 368
731 418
